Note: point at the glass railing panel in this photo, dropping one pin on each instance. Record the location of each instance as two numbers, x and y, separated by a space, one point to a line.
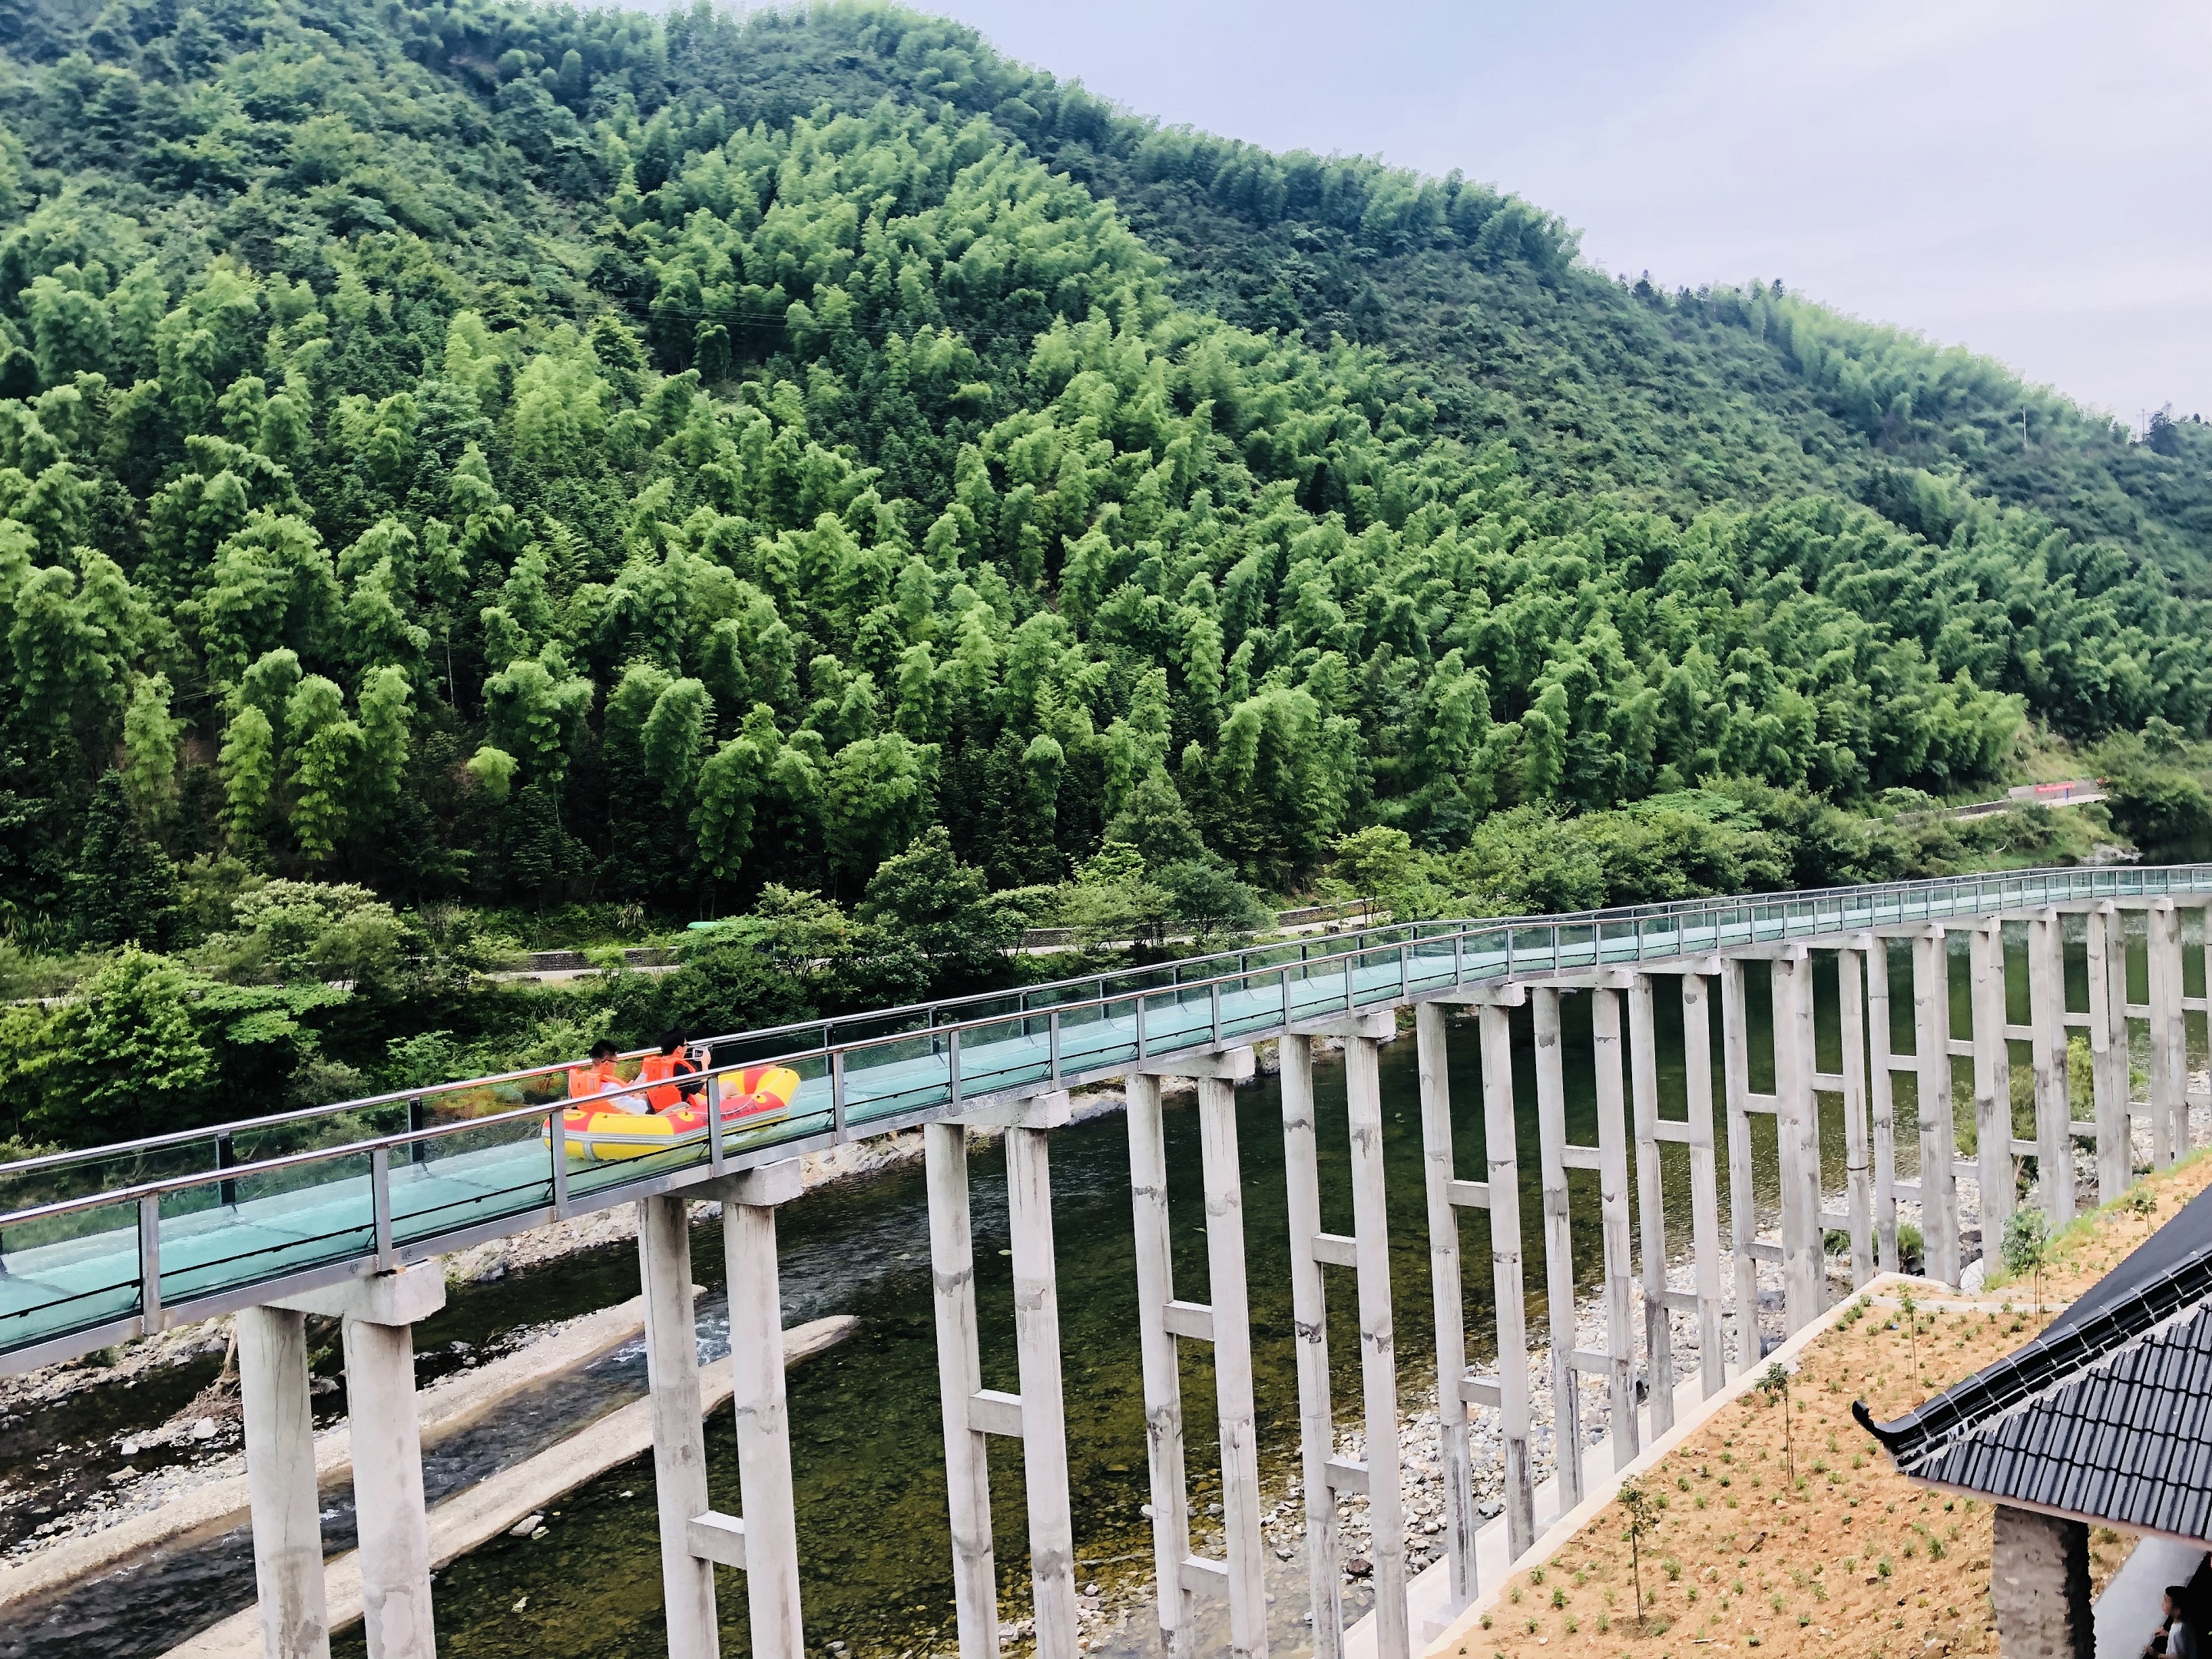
1178 1019
281 1221
1484 954
812 1112
904 1074
65 1279
477 1175
1005 1054
1316 991
1533 950
1430 964
1097 1037
751 1050
1377 978
1577 946
1255 1003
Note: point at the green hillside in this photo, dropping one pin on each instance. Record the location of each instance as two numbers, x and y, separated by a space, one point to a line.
523 456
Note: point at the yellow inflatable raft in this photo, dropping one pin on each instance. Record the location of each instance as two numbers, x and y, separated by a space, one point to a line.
750 1099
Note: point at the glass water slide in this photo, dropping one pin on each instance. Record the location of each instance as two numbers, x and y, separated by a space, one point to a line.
102 1245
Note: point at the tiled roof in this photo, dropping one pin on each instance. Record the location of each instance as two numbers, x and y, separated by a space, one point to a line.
2106 1415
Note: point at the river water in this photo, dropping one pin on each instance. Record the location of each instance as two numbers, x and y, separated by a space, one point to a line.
866 1445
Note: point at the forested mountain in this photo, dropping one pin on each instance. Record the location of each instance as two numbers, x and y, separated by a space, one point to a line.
507 453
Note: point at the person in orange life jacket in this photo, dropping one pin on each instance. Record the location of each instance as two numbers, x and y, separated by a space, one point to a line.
599 1076
662 1069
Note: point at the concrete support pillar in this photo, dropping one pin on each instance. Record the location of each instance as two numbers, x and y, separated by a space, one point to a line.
1650 1204
1148 1179
2039 1582
2046 1013
1505 1191
378 1315
1797 1141
280 1479
1225 1322
1939 1190
1882 1073
679 1435
1378 1361
1044 1427
764 1420
1705 1180
1441 1175
2169 1076
1851 1000
2108 1054
1310 1316
1231 1325
1735 1067
1559 1244
959 1377
2123 1042
1992 1085
1613 1216
387 1480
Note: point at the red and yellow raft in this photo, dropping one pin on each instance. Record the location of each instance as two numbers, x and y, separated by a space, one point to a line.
601 1132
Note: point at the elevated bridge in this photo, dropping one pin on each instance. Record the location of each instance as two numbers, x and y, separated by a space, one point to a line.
344 1209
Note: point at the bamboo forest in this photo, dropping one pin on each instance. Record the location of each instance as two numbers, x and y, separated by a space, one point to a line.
487 477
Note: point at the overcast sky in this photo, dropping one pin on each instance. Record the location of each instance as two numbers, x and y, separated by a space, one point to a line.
2028 179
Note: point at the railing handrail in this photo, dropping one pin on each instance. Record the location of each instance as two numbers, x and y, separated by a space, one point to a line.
2139 881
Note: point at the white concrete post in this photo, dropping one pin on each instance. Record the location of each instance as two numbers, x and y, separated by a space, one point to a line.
959 1376
1992 1085
1811 1182
1148 1180
1044 1426
2108 1039
1559 1244
2169 1075
1504 1182
387 1483
378 1315
280 1481
1704 1181
1851 1000
1440 1172
2123 1042
1796 1143
1881 1075
1735 1064
1613 1215
679 1435
1310 1316
1232 1326
1378 1363
2054 1112
1939 1190
764 1420
1650 1204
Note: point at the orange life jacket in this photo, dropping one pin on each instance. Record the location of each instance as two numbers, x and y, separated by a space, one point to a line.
659 1069
595 1079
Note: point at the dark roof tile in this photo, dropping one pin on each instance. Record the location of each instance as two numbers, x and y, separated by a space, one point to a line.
2108 1414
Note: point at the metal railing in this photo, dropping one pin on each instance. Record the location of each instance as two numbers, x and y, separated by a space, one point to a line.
159 1246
